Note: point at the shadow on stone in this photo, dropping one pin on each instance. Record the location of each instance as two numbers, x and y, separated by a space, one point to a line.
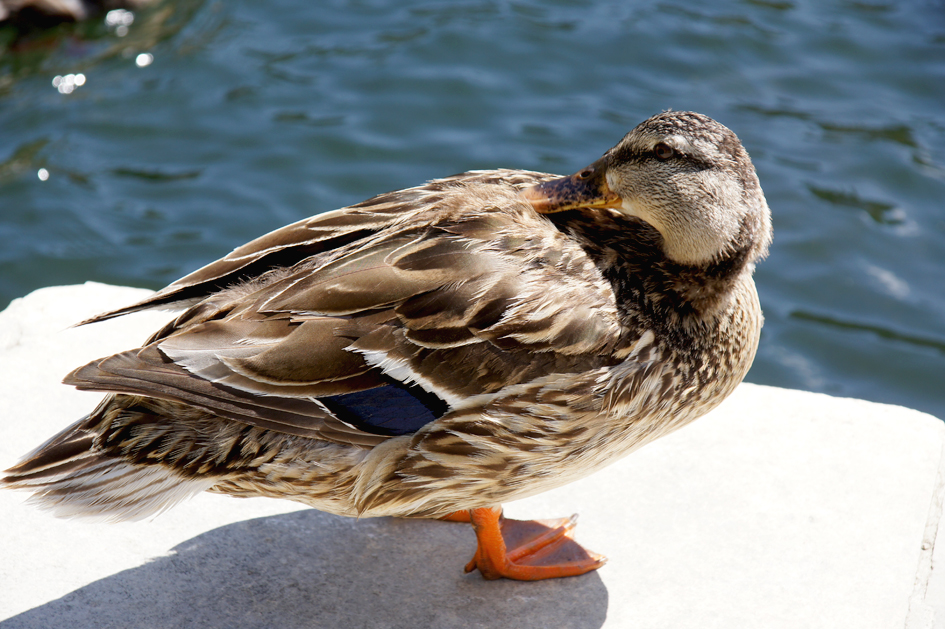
311 569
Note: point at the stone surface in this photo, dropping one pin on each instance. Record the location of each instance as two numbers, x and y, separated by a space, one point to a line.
780 509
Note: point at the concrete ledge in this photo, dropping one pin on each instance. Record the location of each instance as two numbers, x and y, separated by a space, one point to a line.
780 509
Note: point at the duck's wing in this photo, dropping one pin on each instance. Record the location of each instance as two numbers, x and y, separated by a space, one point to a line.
387 334
317 235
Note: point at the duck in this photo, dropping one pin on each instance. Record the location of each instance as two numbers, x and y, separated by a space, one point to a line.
437 351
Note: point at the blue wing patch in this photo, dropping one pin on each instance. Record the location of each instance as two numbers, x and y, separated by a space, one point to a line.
390 410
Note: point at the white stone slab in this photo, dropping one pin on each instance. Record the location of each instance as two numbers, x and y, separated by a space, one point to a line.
780 509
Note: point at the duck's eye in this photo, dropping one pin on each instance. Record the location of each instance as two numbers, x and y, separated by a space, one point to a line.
663 151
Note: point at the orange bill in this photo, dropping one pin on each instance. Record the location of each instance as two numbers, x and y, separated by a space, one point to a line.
587 188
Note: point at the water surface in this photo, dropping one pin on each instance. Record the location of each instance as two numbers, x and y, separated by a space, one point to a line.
252 115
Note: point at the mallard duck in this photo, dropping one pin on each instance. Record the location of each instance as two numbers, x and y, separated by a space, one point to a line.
436 351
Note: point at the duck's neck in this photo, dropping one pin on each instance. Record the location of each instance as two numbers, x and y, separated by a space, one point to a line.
646 282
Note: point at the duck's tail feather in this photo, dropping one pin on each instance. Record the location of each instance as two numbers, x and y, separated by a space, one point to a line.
71 477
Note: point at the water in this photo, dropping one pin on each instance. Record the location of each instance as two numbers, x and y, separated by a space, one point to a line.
252 115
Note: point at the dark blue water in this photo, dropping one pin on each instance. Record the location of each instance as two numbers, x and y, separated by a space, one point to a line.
253 115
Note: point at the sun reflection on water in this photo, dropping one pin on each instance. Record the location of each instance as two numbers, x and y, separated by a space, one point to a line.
68 83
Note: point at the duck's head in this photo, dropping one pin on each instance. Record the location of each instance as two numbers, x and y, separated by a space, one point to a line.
685 175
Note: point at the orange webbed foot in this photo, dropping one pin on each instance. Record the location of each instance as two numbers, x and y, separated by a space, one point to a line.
526 550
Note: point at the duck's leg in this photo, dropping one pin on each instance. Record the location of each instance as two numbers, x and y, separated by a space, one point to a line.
457 516
526 550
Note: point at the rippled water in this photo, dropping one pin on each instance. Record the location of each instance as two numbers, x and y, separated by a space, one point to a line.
251 115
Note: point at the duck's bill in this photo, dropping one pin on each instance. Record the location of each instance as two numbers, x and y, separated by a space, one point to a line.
587 188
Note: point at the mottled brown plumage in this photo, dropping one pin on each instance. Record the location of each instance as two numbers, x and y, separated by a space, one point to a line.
532 347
